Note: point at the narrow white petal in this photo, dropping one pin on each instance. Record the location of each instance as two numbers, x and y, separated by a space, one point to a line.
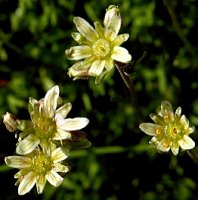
18 162
150 128
120 39
80 69
40 184
27 183
73 124
59 155
184 121
121 54
85 29
62 135
186 142
27 145
50 101
167 111
112 22
61 168
97 67
175 148
54 178
78 52
64 110
178 112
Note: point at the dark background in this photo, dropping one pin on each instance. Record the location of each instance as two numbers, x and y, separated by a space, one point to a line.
120 164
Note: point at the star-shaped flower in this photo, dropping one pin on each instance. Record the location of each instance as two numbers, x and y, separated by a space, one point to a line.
170 130
38 167
47 123
98 48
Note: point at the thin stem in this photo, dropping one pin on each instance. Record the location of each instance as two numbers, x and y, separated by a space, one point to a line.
129 84
136 149
177 27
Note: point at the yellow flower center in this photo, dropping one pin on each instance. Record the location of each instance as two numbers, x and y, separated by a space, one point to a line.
101 48
173 131
41 164
45 128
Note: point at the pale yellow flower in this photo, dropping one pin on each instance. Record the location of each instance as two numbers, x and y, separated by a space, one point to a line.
98 48
38 167
170 130
47 123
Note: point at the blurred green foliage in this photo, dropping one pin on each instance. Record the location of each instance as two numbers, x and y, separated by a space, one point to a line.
120 165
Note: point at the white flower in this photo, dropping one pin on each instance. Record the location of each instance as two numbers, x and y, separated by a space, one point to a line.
170 130
47 123
98 48
37 168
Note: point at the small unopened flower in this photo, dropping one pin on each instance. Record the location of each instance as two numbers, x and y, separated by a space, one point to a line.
170 130
98 48
10 122
47 123
37 168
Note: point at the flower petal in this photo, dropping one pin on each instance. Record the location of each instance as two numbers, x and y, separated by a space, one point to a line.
151 129
99 29
27 145
80 39
54 178
40 184
61 168
64 110
163 145
167 111
78 52
27 183
178 112
120 39
73 124
175 148
85 29
121 54
184 121
62 135
157 119
18 162
25 125
191 129
112 22
59 155
97 67
109 64
186 142
50 101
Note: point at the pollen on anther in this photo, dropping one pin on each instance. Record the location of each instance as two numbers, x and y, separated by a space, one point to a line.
158 131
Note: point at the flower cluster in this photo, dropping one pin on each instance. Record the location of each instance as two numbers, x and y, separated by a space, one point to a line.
45 141
99 47
170 130
40 146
